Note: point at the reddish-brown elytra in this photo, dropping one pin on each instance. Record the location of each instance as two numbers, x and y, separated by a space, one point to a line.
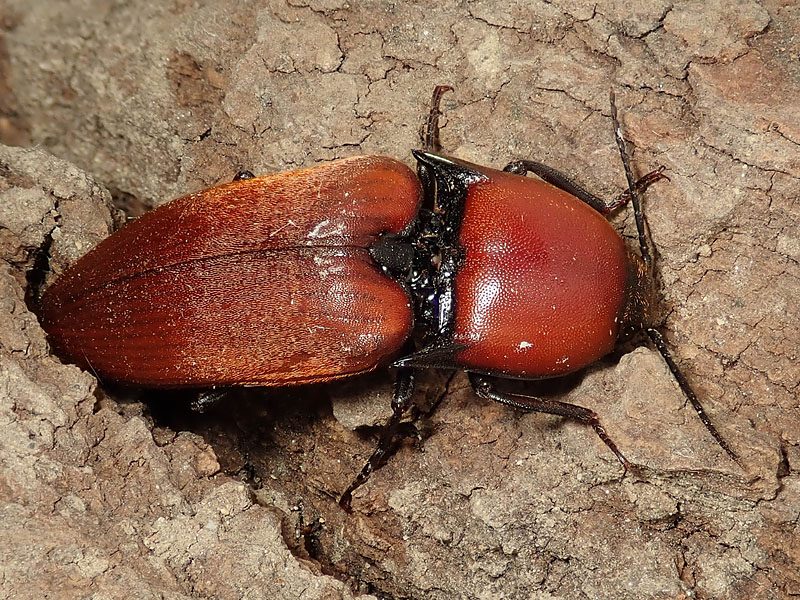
324 273
265 281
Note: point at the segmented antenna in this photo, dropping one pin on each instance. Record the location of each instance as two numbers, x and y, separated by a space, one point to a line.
430 138
655 336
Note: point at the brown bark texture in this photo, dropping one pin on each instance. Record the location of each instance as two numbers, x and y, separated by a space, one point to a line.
109 106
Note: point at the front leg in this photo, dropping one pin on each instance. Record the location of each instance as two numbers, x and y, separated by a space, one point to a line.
562 182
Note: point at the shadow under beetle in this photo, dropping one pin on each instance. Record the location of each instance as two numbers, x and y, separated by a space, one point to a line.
324 273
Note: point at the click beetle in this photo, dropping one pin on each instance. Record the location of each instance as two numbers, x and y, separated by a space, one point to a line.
328 272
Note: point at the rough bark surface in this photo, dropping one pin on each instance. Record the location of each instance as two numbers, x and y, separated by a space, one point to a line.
117 493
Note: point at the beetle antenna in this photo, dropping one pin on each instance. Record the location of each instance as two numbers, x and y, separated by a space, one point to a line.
430 137
634 192
658 341
654 335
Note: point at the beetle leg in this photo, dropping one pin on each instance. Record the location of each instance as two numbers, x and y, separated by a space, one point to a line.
562 182
484 388
394 432
430 132
208 398
558 179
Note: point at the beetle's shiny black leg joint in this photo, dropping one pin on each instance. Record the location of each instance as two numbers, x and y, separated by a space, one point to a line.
242 175
207 399
558 179
658 341
484 388
634 192
562 182
392 434
430 132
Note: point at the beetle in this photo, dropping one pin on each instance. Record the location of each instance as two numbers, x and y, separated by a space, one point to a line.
324 273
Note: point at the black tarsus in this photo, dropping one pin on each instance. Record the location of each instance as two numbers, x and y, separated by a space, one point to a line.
208 398
91 368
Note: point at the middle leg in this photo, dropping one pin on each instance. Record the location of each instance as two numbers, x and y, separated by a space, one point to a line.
392 434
